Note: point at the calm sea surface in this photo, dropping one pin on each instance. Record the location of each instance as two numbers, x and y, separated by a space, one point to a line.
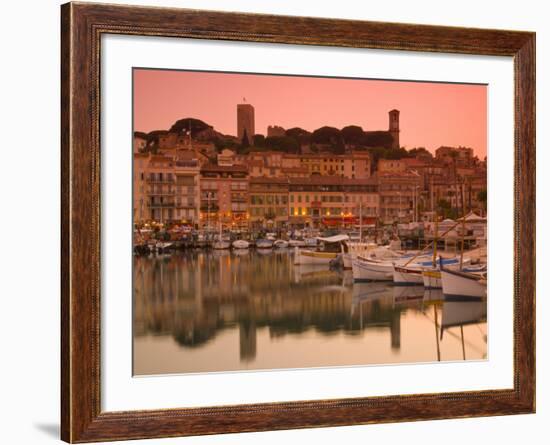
204 311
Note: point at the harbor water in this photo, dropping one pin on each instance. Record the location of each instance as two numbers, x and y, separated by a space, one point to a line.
214 311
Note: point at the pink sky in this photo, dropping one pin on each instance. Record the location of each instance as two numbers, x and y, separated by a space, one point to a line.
432 114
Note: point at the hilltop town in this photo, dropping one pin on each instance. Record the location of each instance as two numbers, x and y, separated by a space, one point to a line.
192 174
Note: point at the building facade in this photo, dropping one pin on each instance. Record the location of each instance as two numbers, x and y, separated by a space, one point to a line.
224 196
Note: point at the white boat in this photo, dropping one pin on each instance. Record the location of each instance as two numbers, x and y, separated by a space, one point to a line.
459 284
431 276
240 244
264 244
366 269
221 245
161 246
280 244
354 249
331 247
412 274
372 269
407 275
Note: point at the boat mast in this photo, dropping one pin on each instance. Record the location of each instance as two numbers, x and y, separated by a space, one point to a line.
463 227
360 221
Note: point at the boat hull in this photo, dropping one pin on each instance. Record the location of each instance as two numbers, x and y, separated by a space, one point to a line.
456 285
221 245
431 278
407 276
241 244
311 257
371 271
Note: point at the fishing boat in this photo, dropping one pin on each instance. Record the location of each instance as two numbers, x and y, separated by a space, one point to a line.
264 244
329 249
431 276
356 248
370 269
280 244
240 244
461 284
413 274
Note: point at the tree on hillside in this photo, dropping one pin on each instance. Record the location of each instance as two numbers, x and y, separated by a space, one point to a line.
282 143
303 137
244 141
259 140
353 134
189 124
377 139
326 135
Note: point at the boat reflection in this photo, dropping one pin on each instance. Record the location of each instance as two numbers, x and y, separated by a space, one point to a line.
274 315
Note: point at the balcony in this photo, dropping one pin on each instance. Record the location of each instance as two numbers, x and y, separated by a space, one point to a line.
161 205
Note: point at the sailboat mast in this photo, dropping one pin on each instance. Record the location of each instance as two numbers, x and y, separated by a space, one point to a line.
360 221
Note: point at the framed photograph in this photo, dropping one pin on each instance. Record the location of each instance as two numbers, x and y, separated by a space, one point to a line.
275 222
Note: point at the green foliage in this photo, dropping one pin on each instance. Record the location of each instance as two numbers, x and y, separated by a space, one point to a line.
282 143
326 135
353 134
189 123
259 140
377 139
420 151
303 137
245 143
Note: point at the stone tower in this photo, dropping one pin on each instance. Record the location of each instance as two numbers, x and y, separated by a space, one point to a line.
245 121
394 127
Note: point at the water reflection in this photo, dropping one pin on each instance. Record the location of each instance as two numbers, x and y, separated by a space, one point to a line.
204 311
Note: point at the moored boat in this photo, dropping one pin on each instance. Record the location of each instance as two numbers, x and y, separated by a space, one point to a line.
431 276
460 284
280 244
264 244
240 244
412 274
367 269
221 245
330 248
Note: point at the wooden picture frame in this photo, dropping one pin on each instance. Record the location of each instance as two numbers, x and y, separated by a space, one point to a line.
82 26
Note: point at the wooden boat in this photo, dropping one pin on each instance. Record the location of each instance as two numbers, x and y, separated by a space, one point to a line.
460 284
369 269
373 269
412 274
431 276
330 248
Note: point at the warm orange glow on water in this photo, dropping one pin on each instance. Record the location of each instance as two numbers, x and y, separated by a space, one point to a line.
261 312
